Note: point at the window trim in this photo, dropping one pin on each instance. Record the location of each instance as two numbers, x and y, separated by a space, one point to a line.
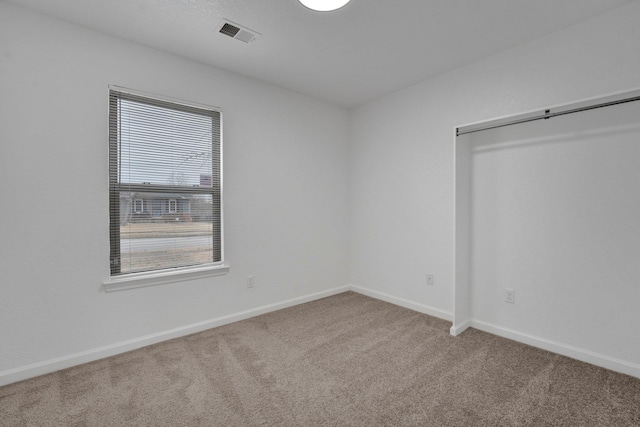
170 274
162 277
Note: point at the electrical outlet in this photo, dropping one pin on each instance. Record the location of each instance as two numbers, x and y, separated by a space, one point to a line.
510 296
430 281
250 281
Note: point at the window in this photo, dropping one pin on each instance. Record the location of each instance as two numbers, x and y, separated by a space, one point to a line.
159 150
137 206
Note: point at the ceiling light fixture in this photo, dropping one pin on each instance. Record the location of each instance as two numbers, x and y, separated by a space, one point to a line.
324 5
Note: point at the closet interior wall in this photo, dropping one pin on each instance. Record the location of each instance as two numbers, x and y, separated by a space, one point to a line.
550 209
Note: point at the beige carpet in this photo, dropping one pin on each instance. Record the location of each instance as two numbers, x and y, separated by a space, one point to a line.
346 360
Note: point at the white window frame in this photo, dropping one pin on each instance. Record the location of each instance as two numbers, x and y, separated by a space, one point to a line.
134 206
175 206
121 281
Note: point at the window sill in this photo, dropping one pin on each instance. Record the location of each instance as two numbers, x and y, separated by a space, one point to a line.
141 280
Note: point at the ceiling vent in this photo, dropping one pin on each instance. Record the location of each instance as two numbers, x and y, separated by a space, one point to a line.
237 32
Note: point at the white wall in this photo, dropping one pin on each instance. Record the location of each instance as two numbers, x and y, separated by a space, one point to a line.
285 196
402 151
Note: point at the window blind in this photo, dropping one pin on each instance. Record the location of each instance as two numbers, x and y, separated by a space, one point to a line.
164 184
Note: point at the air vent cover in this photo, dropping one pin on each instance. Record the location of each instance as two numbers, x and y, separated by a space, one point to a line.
229 30
238 32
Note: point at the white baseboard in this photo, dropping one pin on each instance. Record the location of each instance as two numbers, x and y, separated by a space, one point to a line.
421 308
458 329
583 355
67 361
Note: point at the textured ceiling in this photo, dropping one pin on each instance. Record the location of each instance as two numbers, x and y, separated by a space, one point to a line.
351 56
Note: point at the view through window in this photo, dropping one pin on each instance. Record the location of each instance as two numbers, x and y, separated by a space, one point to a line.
164 182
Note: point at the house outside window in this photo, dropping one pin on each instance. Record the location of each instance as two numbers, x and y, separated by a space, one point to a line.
159 150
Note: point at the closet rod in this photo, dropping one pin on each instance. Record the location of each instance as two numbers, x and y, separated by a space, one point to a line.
546 115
